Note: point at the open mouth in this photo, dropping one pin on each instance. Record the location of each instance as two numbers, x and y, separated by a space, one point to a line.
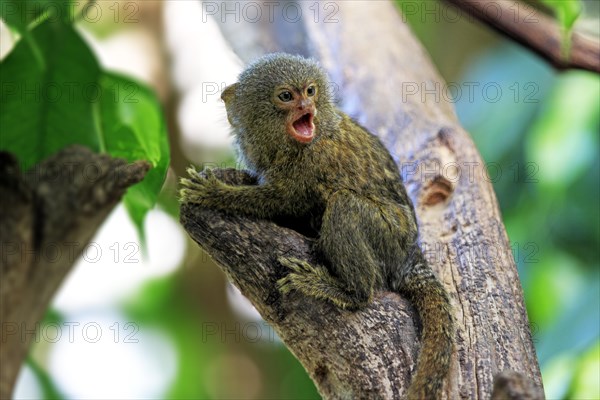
304 128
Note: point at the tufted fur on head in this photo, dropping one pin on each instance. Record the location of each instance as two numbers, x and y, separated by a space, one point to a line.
258 125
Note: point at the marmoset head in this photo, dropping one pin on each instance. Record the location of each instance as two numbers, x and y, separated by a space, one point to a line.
280 98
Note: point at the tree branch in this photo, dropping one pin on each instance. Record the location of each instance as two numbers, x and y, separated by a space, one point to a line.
47 217
371 353
339 349
534 30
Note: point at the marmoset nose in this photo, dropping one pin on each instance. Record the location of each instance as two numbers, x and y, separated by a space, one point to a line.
303 104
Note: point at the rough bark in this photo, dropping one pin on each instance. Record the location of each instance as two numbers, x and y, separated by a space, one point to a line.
48 215
376 62
534 30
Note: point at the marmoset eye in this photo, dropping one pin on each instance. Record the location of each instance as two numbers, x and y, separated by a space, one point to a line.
285 96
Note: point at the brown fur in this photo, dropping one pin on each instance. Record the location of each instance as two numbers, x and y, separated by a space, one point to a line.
348 185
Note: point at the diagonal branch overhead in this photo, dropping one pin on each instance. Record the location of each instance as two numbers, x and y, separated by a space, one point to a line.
371 353
534 30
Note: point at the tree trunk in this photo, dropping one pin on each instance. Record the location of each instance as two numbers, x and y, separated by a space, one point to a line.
387 82
47 218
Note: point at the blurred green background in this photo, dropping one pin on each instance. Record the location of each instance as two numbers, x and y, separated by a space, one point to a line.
539 129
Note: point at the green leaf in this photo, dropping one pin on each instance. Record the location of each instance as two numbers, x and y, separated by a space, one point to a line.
133 128
48 107
66 99
19 14
22 14
567 12
48 386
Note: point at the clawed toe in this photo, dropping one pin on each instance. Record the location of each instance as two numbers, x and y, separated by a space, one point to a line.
296 265
189 196
188 183
285 284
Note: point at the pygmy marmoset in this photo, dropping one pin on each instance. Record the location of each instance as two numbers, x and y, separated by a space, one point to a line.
311 160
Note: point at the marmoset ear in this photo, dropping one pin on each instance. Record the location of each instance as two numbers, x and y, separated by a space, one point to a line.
229 93
227 96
